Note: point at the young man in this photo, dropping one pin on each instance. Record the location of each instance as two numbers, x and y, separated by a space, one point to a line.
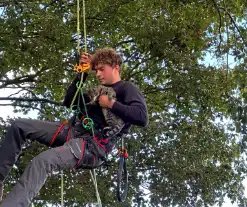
71 147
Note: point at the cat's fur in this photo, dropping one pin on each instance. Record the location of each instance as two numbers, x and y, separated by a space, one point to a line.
115 124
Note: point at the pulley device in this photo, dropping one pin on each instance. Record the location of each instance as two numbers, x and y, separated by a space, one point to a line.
81 67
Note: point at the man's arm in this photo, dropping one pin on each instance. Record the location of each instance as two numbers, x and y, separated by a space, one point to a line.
135 109
71 90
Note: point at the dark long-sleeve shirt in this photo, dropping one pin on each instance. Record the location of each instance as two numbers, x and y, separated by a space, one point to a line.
130 105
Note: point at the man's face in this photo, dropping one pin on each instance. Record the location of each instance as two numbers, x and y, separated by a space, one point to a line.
106 73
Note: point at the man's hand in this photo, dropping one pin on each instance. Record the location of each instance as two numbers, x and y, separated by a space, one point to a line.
104 102
85 58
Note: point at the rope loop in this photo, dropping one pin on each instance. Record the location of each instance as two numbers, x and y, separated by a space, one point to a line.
87 123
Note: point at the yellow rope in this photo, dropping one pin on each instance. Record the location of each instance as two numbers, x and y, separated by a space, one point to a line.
78 41
84 26
93 175
78 45
78 26
72 103
62 189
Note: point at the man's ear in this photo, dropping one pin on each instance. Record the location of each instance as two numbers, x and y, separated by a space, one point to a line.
117 68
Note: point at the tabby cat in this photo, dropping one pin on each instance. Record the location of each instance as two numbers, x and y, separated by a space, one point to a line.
115 124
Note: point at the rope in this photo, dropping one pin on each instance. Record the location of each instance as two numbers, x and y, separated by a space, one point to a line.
84 26
78 44
79 88
93 176
62 188
78 26
72 103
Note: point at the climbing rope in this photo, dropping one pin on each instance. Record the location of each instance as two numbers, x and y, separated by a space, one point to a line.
62 188
78 26
82 68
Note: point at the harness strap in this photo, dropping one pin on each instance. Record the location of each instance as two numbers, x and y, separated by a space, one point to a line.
82 153
57 132
98 142
68 136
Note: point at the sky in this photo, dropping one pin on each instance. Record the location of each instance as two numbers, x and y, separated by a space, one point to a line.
6 111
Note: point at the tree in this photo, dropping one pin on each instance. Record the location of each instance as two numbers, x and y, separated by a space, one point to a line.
192 152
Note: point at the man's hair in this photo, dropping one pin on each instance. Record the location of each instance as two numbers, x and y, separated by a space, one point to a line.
106 56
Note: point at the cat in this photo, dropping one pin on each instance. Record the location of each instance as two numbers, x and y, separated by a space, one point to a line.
115 124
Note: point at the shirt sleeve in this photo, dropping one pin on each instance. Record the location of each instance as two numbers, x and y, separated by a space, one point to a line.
134 110
70 93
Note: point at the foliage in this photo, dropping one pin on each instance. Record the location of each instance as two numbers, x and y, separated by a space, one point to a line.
192 152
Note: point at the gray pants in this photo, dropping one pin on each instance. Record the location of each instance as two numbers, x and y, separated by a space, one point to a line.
63 155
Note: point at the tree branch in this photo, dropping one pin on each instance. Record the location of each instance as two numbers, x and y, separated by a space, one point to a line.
216 6
123 42
130 75
24 106
155 90
28 90
21 90
16 93
8 2
30 100
3 11
19 87
234 23
23 79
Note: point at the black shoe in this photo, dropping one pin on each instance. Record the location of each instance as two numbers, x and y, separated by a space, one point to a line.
1 191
